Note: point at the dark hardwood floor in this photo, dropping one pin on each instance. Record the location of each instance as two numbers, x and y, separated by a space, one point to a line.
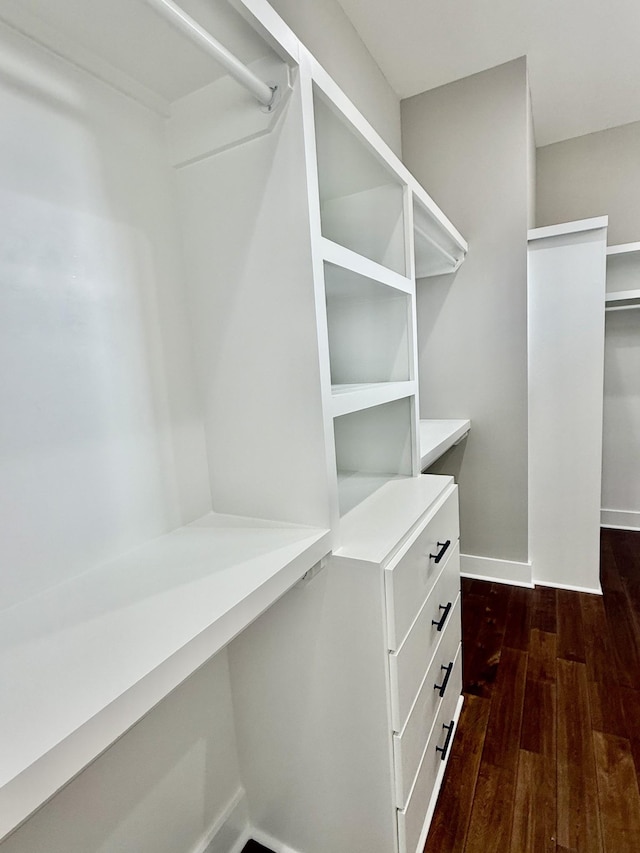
547 754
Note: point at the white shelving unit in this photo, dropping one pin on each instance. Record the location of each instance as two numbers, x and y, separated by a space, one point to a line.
150 257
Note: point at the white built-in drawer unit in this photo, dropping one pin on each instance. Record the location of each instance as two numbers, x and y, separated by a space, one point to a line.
411 820
408 665
411 576
438 683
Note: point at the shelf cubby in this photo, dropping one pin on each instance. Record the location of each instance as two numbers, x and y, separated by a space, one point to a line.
623 270
373 446
361 200
369 325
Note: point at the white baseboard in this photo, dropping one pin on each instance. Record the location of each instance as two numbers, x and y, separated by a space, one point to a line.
495 571
272 843
620 519
592 590
230 831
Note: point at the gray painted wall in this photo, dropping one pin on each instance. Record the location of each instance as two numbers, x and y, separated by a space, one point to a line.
327 32
593 175
579 178
467 143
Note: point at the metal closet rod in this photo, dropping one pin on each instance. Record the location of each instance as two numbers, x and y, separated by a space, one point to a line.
198 35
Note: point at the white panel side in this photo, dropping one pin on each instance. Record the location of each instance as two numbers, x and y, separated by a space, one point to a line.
309 691
566 352
246 233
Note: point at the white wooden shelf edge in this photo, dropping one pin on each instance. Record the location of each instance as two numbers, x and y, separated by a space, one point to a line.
83 662
623 249
437 436
340 256
623 296
347 399
568 228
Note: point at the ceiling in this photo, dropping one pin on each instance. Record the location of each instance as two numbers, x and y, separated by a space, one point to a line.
584 55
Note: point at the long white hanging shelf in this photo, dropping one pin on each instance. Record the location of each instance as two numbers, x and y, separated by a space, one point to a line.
439 435
439 248
82 662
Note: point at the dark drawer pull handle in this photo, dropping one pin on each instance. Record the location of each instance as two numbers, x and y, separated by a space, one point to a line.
444 749
443 618
443 550
442 687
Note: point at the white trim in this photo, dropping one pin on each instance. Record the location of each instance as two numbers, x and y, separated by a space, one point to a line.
272 843
571 587
226 818
495 570
568 228
623 249
620 519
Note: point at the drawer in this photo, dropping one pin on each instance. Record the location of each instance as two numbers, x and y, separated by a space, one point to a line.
410 578
407 666
408 746
411 820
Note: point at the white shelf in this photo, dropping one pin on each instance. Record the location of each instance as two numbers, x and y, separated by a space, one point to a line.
567 228
84 661
439 248
347 399
619 299
339 255
623 249
437 436
372 529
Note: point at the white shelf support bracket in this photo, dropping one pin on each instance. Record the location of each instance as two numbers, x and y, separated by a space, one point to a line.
267 95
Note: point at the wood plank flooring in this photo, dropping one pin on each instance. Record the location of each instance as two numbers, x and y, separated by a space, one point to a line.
547 754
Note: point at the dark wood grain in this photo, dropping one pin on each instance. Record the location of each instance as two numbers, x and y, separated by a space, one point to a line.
618 794
547 758
570 629
578 817
450 823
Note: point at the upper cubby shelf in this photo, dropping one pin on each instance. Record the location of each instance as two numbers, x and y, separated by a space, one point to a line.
100 650
361 199
623 276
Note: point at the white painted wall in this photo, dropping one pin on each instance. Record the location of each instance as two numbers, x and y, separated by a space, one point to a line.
104 448
592 175
160 789
467 144
330 36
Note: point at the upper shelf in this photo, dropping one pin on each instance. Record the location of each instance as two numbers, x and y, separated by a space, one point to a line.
622 299
437 436
623 249
84 661
126 42
438 249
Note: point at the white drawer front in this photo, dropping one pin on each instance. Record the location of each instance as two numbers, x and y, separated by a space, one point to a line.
410 578
409 664
411 819
408 746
